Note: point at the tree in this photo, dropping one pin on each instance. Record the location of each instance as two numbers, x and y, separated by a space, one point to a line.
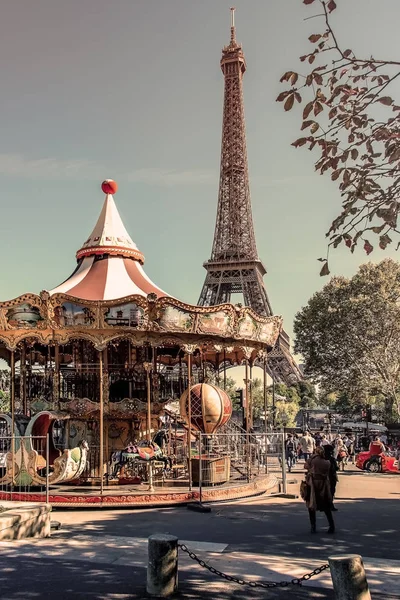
307 394
257 398
4 402
354 126
231 389
349 334
285 413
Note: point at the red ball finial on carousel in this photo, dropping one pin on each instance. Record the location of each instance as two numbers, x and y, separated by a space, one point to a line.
109 186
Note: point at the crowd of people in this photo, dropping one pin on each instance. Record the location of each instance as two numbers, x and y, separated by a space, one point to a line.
343 447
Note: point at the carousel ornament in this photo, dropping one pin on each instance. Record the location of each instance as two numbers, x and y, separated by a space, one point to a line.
109 186
210 407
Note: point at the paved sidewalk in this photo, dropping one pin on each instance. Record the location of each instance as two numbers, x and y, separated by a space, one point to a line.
113 567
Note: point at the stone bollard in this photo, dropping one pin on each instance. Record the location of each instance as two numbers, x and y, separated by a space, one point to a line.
162 567
348 577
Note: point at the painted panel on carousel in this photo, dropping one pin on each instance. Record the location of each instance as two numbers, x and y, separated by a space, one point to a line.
216 322
23 316
268 333
127 407
81 407
77 431
210 407
174 319
70 314
125 315
247 327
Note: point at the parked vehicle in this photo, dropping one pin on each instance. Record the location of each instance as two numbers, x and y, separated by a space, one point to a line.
377 463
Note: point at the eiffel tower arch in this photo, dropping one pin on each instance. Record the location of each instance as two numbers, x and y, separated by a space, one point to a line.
234 266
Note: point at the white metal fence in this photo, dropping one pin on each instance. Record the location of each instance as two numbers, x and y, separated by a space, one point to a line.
235 458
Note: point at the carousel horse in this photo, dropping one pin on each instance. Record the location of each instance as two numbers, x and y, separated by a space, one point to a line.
144 451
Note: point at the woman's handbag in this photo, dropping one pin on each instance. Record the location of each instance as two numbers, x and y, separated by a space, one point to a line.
305 491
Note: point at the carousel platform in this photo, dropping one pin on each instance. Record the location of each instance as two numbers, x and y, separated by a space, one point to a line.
139 496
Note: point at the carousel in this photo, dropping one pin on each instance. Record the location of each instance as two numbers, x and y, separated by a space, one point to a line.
112 382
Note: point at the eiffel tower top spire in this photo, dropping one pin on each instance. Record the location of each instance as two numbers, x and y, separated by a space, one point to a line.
233 28
234 237
234 266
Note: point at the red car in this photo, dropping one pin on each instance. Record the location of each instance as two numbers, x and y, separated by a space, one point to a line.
377 462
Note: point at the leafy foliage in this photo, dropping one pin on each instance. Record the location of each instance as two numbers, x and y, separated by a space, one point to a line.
4 402
349 334
354 125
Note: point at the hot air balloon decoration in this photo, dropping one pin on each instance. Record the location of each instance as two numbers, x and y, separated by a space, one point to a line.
210 407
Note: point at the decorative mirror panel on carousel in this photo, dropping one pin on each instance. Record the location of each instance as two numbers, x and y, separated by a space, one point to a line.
214 322
173 318
247 327
125 315
23 316
70 314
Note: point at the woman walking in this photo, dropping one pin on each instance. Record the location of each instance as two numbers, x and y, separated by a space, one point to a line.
320 497
334 468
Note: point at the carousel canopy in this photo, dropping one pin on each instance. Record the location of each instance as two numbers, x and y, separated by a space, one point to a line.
109 262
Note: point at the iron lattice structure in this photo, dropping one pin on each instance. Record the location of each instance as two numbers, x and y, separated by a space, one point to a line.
234 266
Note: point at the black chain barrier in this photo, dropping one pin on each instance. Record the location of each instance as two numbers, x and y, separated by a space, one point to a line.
253 584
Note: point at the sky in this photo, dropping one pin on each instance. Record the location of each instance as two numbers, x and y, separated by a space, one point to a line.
132 90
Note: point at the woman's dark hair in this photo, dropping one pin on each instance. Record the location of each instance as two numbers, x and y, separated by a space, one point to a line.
328 450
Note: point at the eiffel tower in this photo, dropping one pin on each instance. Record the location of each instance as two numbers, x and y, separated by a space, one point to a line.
234 266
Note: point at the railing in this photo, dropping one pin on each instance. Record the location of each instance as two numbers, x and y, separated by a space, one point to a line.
235 457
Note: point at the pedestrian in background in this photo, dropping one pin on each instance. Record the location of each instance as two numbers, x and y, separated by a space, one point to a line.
306 445
320 497
334 468
290 452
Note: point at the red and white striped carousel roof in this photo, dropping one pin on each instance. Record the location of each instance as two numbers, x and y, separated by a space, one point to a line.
109 262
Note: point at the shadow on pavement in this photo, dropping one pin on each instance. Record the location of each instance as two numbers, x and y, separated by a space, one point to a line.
33 579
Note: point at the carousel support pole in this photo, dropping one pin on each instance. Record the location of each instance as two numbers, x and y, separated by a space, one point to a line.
189 368
265 414
47 466
181 386
217 365
148 367
251 396
175 444
56 375
273 402
224 369
169 434
106 404
247 419
101 424
130 366
22 371
12 399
